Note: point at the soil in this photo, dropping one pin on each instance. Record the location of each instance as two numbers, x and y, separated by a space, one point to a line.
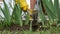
35 26
19 28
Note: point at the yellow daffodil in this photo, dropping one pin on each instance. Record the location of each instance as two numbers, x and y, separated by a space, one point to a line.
23 4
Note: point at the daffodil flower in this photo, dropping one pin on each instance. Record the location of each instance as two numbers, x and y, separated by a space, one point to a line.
23 4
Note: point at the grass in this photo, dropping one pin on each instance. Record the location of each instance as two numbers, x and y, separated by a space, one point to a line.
52 10
30 32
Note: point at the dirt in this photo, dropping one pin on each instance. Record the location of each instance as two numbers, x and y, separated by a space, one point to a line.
15 27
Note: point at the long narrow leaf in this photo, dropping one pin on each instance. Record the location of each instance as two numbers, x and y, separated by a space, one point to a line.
17 15
6 13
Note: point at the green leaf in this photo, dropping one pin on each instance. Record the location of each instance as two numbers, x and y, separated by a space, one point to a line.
6 13
49 9
17 14
27 18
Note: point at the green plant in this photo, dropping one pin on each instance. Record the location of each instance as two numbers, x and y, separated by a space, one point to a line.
5 10
52 11
16 16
